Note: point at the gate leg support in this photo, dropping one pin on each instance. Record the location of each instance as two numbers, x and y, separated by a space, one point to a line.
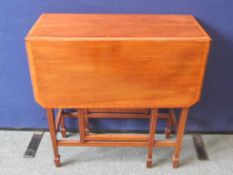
179 136
171 123
152 130
63 129
50 116
168 127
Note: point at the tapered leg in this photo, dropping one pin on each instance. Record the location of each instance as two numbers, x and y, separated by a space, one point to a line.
62 124
50 115
81 125
152 130
179 136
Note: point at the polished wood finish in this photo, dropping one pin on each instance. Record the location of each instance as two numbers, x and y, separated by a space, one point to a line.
179 135
114 82
67 57
52 130
117 111
152 130
117 140
63 129
110 26
157 143
118 115
117 137
58 119
171 122
81 125
117 66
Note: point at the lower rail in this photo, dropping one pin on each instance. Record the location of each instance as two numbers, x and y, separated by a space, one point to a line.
158 143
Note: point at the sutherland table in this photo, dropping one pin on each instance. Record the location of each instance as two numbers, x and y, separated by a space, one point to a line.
117 66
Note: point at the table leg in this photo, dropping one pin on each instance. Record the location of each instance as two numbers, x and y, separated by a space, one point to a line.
168 127
171 123
81 125
62 124
173 118
152 130
179 136
50 116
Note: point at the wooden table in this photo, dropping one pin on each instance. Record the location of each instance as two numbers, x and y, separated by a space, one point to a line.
117 66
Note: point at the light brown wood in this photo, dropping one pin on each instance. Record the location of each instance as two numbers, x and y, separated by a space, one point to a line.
117 137
133 78
117 66
81 125
103 144
179 136
72 26
58 119
173 117
152 130
52 129
164 143
118 115
157 143
115 110
171 123
70 114
63 129
137 140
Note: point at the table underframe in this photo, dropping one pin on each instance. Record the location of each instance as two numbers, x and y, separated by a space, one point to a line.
119 140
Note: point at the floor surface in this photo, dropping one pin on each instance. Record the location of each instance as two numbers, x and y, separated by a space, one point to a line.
112 160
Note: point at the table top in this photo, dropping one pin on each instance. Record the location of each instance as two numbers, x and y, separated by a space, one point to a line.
99 26
117 61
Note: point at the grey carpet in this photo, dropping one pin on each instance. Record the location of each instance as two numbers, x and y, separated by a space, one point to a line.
112 161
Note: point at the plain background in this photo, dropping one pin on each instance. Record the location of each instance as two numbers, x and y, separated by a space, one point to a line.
17 107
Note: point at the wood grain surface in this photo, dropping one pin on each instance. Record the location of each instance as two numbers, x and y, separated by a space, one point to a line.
109 26
117 61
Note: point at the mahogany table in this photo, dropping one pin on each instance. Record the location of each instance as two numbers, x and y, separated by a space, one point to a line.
117 66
